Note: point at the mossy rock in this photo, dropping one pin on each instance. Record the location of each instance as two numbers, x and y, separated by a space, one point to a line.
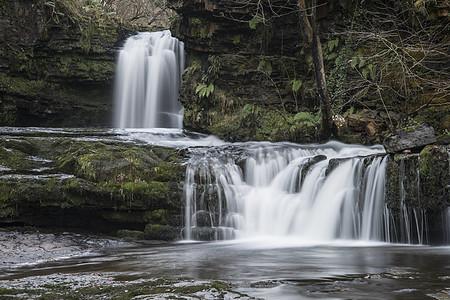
162 232
130 234
434 177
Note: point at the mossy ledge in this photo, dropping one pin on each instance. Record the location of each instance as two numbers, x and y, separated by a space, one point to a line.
98 186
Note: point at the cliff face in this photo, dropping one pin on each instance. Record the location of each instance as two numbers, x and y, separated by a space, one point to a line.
56 64
243 70
251 78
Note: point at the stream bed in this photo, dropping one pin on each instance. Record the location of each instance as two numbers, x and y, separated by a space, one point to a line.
62 266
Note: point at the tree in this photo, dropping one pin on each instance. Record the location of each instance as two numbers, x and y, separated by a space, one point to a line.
147 12
311 40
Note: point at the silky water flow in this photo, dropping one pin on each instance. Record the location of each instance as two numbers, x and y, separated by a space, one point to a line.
314 193
148 78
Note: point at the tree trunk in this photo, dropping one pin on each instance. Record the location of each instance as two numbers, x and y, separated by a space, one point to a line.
312 40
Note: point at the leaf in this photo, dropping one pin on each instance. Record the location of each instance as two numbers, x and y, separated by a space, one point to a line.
337 60
255 21
200 87
365 71
354 62
362 62
332 55
50 3
373 72
304 116
269 68
333 44
261 65
296 85
236 39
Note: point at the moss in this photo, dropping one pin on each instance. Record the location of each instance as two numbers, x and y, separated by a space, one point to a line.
116 181
162 232
130 234
13 159
159 216
434 177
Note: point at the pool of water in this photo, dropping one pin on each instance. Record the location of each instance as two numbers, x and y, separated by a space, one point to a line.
272 269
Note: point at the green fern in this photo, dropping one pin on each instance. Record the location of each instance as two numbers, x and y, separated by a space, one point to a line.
204 91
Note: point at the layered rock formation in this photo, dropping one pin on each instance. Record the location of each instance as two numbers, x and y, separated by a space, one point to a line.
56 63
88 180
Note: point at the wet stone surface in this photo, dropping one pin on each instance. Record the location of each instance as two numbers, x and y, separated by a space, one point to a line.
18 249
105 286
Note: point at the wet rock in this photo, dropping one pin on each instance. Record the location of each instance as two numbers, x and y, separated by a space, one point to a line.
203 233
202 219
412 138
101 186
312 161
418 183
434 169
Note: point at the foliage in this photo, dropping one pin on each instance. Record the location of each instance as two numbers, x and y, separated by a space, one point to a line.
307 118
206 87
296 85
203 90
265 66
255 21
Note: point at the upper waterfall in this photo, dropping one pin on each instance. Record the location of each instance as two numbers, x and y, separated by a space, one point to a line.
148 78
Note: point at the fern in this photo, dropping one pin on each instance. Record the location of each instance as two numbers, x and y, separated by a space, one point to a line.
296 85
203 90
255 21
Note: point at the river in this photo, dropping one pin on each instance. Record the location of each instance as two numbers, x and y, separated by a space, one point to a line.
260 268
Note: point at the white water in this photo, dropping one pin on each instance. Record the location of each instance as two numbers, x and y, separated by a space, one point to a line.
148 78
289 191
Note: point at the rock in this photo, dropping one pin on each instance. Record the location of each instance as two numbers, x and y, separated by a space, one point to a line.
372 129
413 138
359 122
98 185
58 69
204 233
162 232
130 234
202 218
434 169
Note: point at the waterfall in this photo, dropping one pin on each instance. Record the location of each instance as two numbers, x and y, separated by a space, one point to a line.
148 78
312 193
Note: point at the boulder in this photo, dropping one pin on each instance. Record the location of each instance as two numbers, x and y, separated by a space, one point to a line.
359 122
412 138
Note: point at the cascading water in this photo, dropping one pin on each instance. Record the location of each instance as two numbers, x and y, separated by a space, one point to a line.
317 194
148 78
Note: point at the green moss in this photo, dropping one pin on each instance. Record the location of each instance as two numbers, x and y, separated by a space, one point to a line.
130 234
434 177
162 232
13 159
159 216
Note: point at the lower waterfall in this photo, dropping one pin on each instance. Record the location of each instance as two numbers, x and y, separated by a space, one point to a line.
315 193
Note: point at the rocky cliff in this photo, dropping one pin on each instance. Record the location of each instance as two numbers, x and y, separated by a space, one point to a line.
250 77
56 63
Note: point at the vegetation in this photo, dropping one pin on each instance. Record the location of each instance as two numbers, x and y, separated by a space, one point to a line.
377 55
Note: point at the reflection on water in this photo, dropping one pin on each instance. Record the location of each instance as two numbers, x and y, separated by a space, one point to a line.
355 271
